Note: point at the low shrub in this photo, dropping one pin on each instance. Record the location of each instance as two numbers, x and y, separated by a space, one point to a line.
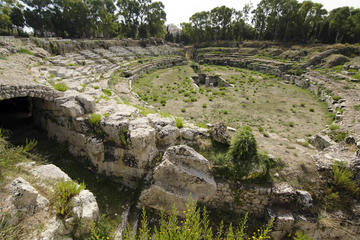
95 119
163 102
336 98
179 123
334 127
62 87
243 151
343 179
62 194
338 135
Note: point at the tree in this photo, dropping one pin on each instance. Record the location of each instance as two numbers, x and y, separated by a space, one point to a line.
339 24
37 15
5 12
156 18
17 18
221 21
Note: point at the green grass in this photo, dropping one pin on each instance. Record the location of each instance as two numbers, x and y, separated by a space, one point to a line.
107 92
9 157
25 51
274 100
334 127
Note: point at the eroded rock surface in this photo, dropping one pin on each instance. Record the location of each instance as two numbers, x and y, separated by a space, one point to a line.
183 173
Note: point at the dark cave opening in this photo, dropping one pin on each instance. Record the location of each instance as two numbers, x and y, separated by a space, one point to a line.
15 113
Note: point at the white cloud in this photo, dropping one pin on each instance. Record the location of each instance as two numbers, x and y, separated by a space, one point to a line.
180 10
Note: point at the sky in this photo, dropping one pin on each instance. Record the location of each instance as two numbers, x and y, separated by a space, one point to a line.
179 11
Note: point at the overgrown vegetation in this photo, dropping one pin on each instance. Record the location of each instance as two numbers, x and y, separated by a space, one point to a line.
64 191
242 161
195 226
10 156
102 229
343 188
8 230
337 135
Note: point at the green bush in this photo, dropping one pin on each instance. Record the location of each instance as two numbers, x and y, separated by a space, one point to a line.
338 136
243 151
62 194
343 179
336 98
94 119
334 127
179 123
163 102
62 87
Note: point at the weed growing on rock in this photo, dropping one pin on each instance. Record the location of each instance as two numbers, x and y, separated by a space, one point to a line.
343 179
29 145
63 192
62 87
94 119
107 92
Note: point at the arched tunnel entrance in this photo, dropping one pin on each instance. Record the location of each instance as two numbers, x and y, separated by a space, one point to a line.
22 118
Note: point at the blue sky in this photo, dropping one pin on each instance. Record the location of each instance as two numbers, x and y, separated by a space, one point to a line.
180 10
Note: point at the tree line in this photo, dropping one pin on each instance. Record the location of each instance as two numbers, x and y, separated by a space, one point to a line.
84 18
278 20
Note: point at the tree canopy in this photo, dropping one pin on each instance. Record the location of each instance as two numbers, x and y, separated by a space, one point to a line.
277 20
85 18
